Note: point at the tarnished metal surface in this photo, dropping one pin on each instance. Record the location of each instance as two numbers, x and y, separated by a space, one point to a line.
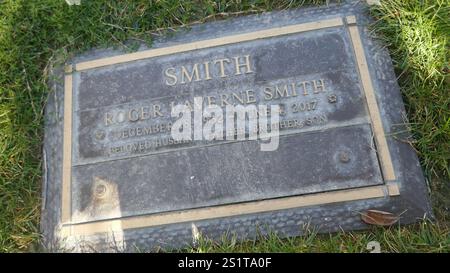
329 139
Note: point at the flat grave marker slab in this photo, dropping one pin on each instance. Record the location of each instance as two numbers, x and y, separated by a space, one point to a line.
116 178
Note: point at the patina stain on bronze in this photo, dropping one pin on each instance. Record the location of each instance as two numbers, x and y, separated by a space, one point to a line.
115 177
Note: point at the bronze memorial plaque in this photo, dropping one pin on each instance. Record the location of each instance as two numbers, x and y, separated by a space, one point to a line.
266 122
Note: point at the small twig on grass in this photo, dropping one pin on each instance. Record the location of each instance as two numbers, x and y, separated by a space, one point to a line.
120 42
29 91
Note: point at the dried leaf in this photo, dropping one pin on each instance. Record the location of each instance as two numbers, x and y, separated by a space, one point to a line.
379 218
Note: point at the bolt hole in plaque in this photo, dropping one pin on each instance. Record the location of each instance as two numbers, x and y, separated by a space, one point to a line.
120 160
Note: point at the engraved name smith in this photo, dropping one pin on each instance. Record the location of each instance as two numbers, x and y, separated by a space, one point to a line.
208 70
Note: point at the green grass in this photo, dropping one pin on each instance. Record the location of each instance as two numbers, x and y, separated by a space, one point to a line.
34 34
423 237
417 33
